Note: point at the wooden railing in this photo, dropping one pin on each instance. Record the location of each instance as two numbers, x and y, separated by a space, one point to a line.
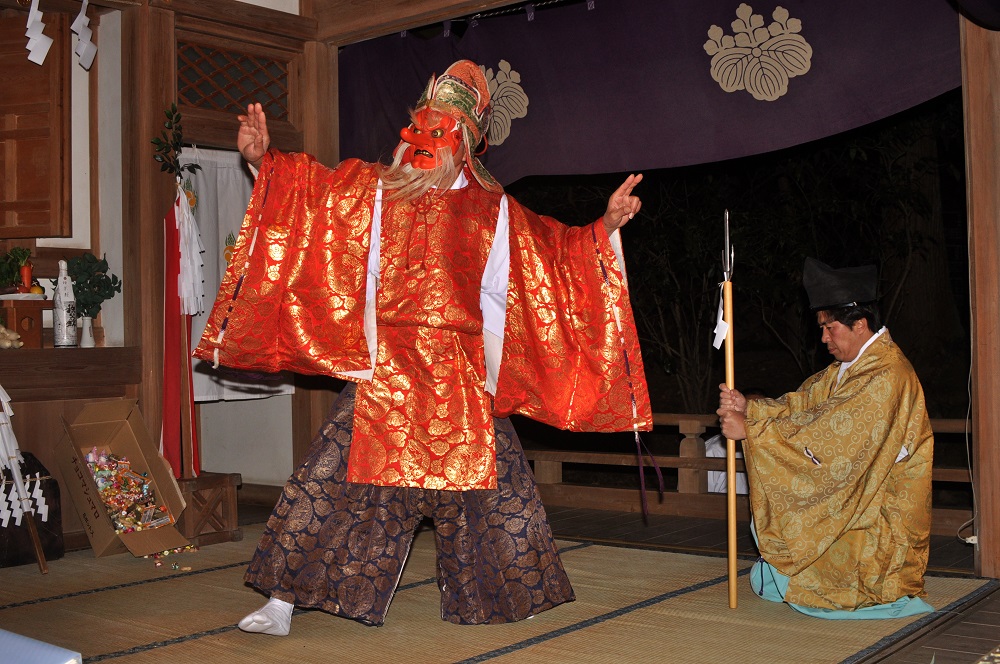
691 497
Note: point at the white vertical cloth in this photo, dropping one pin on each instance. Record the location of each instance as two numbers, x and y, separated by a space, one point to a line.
221 190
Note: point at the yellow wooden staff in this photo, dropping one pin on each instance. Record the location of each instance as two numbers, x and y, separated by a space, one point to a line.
727 317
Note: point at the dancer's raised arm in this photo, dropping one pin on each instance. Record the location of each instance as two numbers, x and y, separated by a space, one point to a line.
253 138
622 205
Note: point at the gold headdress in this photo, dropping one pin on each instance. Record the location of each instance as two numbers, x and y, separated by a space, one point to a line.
462 92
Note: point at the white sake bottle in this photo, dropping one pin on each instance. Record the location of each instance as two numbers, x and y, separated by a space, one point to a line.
64 310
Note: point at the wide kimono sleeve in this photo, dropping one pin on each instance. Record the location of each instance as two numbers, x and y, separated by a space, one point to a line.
570 351
825 482
293 295
813 392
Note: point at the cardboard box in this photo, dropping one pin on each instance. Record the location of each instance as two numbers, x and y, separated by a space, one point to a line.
117 427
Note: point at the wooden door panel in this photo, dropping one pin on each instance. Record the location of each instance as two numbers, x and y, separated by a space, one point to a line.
34 133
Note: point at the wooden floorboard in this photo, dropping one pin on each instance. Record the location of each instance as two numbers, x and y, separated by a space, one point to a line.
965 639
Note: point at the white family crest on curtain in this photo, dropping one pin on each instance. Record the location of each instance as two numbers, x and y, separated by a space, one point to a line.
219 193
510 101
759 59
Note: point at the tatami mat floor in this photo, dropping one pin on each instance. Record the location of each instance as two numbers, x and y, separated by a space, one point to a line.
962 638
634 604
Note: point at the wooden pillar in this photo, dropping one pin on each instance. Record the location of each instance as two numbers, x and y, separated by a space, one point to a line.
148 88
692 480
316 114
980 78
548 472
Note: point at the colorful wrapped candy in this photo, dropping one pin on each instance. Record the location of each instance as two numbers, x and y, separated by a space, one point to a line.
127 494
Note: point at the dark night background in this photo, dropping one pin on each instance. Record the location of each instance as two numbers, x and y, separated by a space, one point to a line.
891 194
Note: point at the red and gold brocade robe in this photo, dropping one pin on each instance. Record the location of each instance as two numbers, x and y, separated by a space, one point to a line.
294 298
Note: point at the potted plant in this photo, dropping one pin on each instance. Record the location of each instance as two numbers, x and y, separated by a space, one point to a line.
15 270
93 284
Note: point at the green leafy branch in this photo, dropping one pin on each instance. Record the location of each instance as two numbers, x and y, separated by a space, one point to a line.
93 283
168 145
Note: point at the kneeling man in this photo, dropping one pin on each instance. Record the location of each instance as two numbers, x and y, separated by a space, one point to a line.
840 470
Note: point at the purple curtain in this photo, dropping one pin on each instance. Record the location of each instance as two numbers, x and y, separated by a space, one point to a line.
628 86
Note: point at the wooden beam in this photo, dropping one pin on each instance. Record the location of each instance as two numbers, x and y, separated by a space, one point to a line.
71 6
630 459
224 37
692 505
980 76
148 82
218 130
352 21
44 374
261 20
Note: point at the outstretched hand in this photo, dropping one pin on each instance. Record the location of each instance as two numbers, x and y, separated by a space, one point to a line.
622 205
253 138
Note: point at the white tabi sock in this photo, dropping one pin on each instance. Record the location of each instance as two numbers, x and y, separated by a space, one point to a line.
273 618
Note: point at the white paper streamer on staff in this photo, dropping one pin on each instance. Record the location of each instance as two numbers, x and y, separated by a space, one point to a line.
85 49
38 43
721 326
191 280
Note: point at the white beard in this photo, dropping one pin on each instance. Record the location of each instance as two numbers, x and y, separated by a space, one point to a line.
403 182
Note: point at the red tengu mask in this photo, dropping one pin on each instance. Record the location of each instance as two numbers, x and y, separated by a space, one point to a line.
429 131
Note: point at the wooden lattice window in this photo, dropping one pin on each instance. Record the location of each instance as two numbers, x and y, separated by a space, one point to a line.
215 79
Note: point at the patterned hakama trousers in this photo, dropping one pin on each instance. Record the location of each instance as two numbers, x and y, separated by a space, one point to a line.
340 547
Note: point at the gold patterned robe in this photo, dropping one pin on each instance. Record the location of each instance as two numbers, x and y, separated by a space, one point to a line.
293 298
833 508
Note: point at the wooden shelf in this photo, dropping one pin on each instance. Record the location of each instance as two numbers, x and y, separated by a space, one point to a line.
58 374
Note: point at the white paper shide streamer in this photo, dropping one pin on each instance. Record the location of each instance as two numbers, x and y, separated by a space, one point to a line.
86 50
38 43
191 280
17 501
